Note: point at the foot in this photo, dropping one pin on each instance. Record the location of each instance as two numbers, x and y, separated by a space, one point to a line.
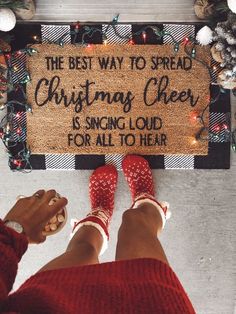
102 186
138 175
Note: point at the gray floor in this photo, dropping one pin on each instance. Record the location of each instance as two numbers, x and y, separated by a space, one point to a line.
199 240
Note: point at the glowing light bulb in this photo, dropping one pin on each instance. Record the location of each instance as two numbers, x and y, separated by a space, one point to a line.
186 40
104 37
144 35
194 116
18 131
17 162
176 47
77 26
208 98
217 128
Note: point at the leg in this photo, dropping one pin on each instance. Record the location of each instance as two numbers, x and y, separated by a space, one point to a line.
137 236
91 236
83 249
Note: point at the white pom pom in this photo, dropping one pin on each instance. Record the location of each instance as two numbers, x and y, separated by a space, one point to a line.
232 5
204 36
7 20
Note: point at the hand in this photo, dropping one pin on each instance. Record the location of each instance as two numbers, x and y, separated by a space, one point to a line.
34 212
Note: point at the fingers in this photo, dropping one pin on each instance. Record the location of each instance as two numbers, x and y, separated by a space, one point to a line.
36 195
57 205
39 193
49 195
52 210
42 238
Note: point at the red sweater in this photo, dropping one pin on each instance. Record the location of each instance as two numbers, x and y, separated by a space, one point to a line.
142 285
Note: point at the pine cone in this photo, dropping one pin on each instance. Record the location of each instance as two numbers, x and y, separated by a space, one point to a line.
231 40
233 53
203 9
26 14
220 46
216 55
227 79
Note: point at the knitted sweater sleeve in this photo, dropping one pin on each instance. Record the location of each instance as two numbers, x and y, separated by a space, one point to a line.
12 247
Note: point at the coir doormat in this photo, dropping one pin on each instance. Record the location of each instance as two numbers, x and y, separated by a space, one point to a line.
129 91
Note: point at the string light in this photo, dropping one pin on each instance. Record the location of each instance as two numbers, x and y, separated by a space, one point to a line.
115 19
217 128
8 128
18 131
17 162
195 117
31 50
144 36
77 26
26 79
105 39
186 40
176 47
193 53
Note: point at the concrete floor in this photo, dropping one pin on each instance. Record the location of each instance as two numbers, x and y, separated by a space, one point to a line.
199 240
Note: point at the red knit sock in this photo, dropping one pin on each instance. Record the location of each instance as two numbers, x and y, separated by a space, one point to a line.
138 175
102 186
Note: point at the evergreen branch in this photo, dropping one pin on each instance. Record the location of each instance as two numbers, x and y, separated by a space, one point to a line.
13 4
222 7
6 37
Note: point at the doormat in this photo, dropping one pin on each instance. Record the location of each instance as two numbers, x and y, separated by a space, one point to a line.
112 91
118 99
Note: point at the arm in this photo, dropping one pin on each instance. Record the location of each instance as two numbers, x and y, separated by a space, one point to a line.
32 213
12 248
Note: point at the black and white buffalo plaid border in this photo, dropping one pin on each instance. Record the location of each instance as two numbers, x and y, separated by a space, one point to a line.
219 148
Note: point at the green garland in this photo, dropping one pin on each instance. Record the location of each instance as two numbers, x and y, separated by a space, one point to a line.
13 4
